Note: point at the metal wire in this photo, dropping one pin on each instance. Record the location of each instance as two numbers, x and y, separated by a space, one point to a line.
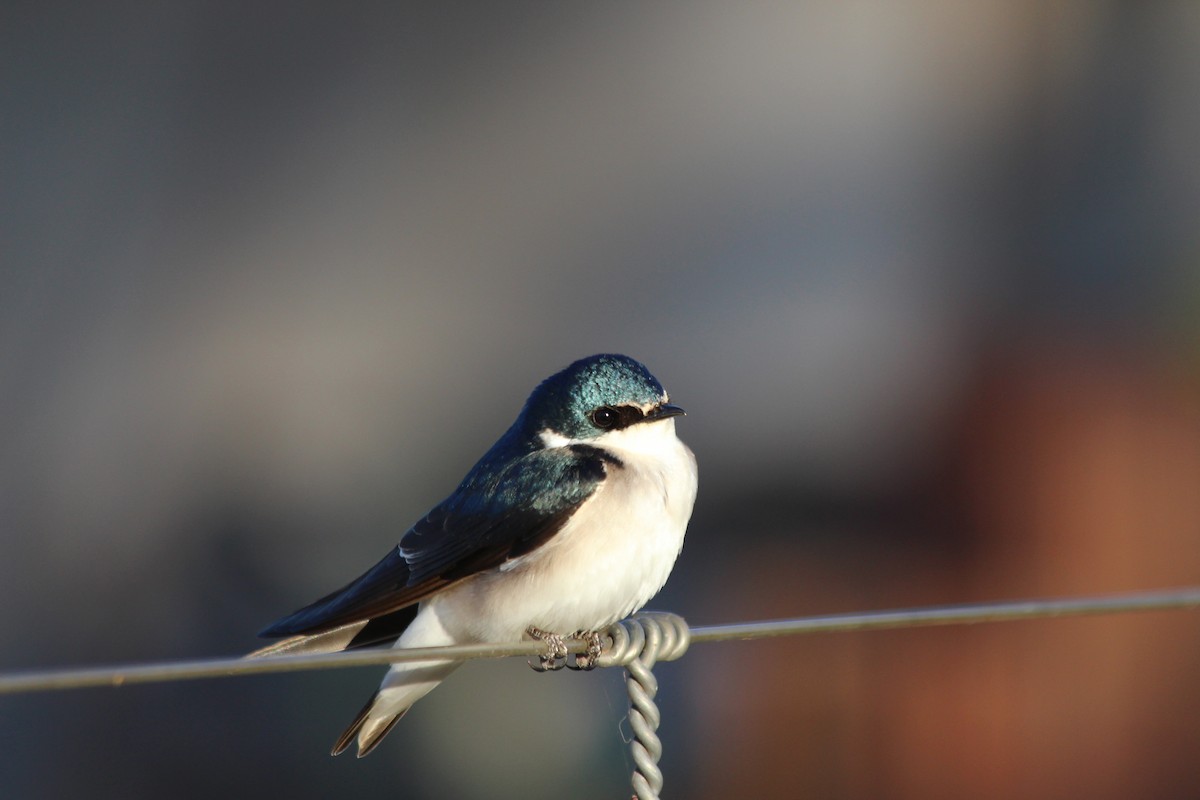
1162 600
115 676
638 643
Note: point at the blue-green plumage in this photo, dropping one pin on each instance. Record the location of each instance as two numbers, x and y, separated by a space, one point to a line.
511 501
570 438
498 513
562 401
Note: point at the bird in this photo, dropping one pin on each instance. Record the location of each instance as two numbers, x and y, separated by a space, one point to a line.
570 522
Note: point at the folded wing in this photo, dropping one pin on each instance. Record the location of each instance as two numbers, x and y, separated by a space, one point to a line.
479 527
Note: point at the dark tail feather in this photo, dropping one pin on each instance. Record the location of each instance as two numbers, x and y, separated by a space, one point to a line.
369 742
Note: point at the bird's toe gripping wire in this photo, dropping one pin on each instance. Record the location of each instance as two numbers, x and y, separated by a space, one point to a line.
589 659
555 657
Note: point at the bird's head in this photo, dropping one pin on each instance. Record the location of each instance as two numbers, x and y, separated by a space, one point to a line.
596 396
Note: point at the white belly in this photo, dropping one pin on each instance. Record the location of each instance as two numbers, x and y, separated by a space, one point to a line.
610 558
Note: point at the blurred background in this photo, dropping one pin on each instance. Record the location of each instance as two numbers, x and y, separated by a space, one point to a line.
926 277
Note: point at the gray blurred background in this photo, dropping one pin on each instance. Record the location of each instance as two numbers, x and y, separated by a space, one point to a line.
926 277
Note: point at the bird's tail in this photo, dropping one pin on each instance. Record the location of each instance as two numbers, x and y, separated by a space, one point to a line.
404 685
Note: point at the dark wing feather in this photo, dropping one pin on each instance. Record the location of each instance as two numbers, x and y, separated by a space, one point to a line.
482 525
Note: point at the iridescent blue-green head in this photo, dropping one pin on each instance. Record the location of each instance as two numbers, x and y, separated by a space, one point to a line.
594 396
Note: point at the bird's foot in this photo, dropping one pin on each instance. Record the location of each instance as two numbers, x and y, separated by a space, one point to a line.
556 650
595 646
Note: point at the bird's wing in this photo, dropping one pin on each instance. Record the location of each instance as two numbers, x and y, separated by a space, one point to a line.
479 527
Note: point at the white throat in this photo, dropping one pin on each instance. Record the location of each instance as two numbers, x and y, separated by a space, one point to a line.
655 438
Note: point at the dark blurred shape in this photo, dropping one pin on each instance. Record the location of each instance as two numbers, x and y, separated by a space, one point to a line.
1071 470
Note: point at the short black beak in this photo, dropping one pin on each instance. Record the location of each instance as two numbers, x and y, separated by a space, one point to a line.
663 411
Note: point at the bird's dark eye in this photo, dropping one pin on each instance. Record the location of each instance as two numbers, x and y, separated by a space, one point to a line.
605 417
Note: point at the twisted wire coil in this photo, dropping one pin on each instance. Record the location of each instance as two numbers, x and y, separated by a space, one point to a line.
637 644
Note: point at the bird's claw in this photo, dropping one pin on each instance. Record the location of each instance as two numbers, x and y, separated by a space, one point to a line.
557 657
595 646
556 650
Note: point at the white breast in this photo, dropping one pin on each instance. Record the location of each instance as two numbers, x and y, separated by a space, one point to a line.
610 558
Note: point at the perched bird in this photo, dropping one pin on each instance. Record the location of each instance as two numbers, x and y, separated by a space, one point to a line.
571 521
